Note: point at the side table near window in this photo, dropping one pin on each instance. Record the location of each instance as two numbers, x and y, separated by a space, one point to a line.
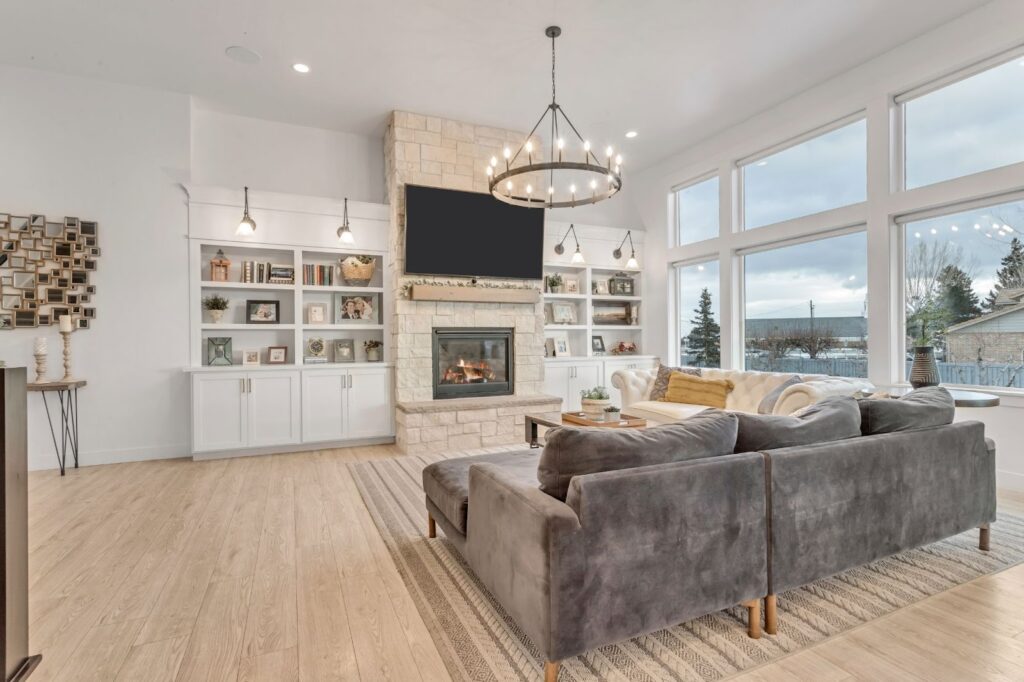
961 397
67 396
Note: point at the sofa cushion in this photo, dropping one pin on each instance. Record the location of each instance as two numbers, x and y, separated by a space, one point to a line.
767 404
686 388
570 452
829 420
922 408
660 385
446 483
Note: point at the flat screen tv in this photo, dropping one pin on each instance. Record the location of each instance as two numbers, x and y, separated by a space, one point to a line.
469 234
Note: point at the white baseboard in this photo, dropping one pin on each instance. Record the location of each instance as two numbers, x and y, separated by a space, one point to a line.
295 447
1009 480
47 458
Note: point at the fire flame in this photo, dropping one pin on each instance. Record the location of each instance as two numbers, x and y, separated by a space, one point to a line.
464 372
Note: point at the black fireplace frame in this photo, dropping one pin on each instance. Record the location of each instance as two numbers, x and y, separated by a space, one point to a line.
494 388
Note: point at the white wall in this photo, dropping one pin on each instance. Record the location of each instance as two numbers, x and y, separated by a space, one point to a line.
232 151
868 88
114 154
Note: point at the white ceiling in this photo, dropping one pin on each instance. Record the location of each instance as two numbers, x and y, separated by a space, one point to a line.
675 70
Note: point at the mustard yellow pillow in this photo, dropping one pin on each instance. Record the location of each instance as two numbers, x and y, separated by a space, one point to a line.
686 388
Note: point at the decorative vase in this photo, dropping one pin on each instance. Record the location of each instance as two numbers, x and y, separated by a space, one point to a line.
593 408
612 416
557 289
216 315
373 354
924 371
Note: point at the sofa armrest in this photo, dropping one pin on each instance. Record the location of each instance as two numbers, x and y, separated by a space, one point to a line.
799 396
634 385
990 445
526 547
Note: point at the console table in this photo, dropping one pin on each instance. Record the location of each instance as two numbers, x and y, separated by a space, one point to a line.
67 395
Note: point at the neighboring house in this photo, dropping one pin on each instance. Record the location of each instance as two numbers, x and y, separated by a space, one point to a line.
994 337
846 329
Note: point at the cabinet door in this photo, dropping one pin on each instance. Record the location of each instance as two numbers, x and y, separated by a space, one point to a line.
274 406
219 411
556 382
369 403
323 404
585 376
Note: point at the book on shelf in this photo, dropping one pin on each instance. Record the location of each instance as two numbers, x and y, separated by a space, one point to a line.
318 275
311 360
267 273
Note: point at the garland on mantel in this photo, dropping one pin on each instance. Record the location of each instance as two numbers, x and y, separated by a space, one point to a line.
407 286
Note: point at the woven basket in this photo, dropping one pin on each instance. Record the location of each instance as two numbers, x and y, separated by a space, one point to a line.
356 273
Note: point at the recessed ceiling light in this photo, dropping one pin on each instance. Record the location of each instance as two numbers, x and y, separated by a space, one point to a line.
242 54
631 134
300 68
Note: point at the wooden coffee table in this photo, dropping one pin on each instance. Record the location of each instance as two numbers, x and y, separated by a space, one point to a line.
578 419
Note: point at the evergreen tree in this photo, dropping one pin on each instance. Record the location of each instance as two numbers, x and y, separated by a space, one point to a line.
1011 273
956 295
705 336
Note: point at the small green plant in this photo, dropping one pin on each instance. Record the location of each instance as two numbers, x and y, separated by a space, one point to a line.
372 343
215 303
554 280
596 393
612 408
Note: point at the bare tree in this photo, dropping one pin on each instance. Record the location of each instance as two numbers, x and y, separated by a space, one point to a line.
925 264
816 342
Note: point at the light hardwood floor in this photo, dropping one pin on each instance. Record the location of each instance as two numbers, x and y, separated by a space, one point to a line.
270 568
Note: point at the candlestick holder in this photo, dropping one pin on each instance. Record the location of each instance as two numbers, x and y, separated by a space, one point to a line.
40 367
67 356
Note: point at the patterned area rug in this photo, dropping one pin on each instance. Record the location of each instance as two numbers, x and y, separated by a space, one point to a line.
478 641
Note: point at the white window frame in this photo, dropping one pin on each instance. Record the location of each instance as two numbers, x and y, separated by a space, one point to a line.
676 325
674 218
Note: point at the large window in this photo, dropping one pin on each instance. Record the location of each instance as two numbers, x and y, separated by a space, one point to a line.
972 125
697 211
699 331
822 173
806 307
964 294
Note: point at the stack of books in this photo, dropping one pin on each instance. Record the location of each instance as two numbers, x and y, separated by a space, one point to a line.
312 360
267 273
318 275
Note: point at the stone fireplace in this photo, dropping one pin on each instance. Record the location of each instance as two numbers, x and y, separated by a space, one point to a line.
473 361
436 152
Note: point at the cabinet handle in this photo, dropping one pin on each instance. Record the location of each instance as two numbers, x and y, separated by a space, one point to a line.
250 385
350 381
243 385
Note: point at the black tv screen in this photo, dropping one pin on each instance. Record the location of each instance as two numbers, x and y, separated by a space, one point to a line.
469 234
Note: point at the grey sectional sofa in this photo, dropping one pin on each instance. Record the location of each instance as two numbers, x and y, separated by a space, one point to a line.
629 547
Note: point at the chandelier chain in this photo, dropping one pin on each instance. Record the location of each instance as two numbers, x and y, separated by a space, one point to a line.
552 70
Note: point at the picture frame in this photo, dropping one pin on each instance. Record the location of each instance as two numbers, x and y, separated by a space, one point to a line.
571 284
344 350
262 312
558 345
277 355
597 345
316 313
359 308
563 312
218 351
600 287
251 357
613 313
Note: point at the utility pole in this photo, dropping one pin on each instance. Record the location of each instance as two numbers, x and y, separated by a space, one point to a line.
812 318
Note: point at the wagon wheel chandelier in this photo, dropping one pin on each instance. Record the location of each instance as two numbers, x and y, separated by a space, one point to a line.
572 177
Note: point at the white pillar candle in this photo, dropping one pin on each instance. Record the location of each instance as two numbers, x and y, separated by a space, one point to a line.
40 345
65 324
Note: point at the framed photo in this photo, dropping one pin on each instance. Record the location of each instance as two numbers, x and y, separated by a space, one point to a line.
277 355
558 345
316 313
597 344
218 351
364 308
250 357
572 285
263 312
344 350
611 312
600 287
563 312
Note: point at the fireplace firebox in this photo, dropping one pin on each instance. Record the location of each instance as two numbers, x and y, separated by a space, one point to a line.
473 361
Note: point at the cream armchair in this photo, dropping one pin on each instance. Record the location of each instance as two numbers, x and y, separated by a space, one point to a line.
750 389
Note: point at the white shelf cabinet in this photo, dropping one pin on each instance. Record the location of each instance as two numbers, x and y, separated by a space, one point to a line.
566 380
346 404
233 410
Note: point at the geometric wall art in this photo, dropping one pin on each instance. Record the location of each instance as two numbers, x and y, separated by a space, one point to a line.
46 270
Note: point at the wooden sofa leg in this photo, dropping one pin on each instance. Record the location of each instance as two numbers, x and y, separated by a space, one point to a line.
771 616
431 527
753 618
551 671
983 538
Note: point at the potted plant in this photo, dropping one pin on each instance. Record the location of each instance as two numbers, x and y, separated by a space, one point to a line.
924 371
372 348
555 283
612 413
215 305
358 270
594 401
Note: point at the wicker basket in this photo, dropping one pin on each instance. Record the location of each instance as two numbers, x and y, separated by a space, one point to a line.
356 273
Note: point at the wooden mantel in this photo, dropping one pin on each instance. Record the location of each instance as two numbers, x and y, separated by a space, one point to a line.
471 294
